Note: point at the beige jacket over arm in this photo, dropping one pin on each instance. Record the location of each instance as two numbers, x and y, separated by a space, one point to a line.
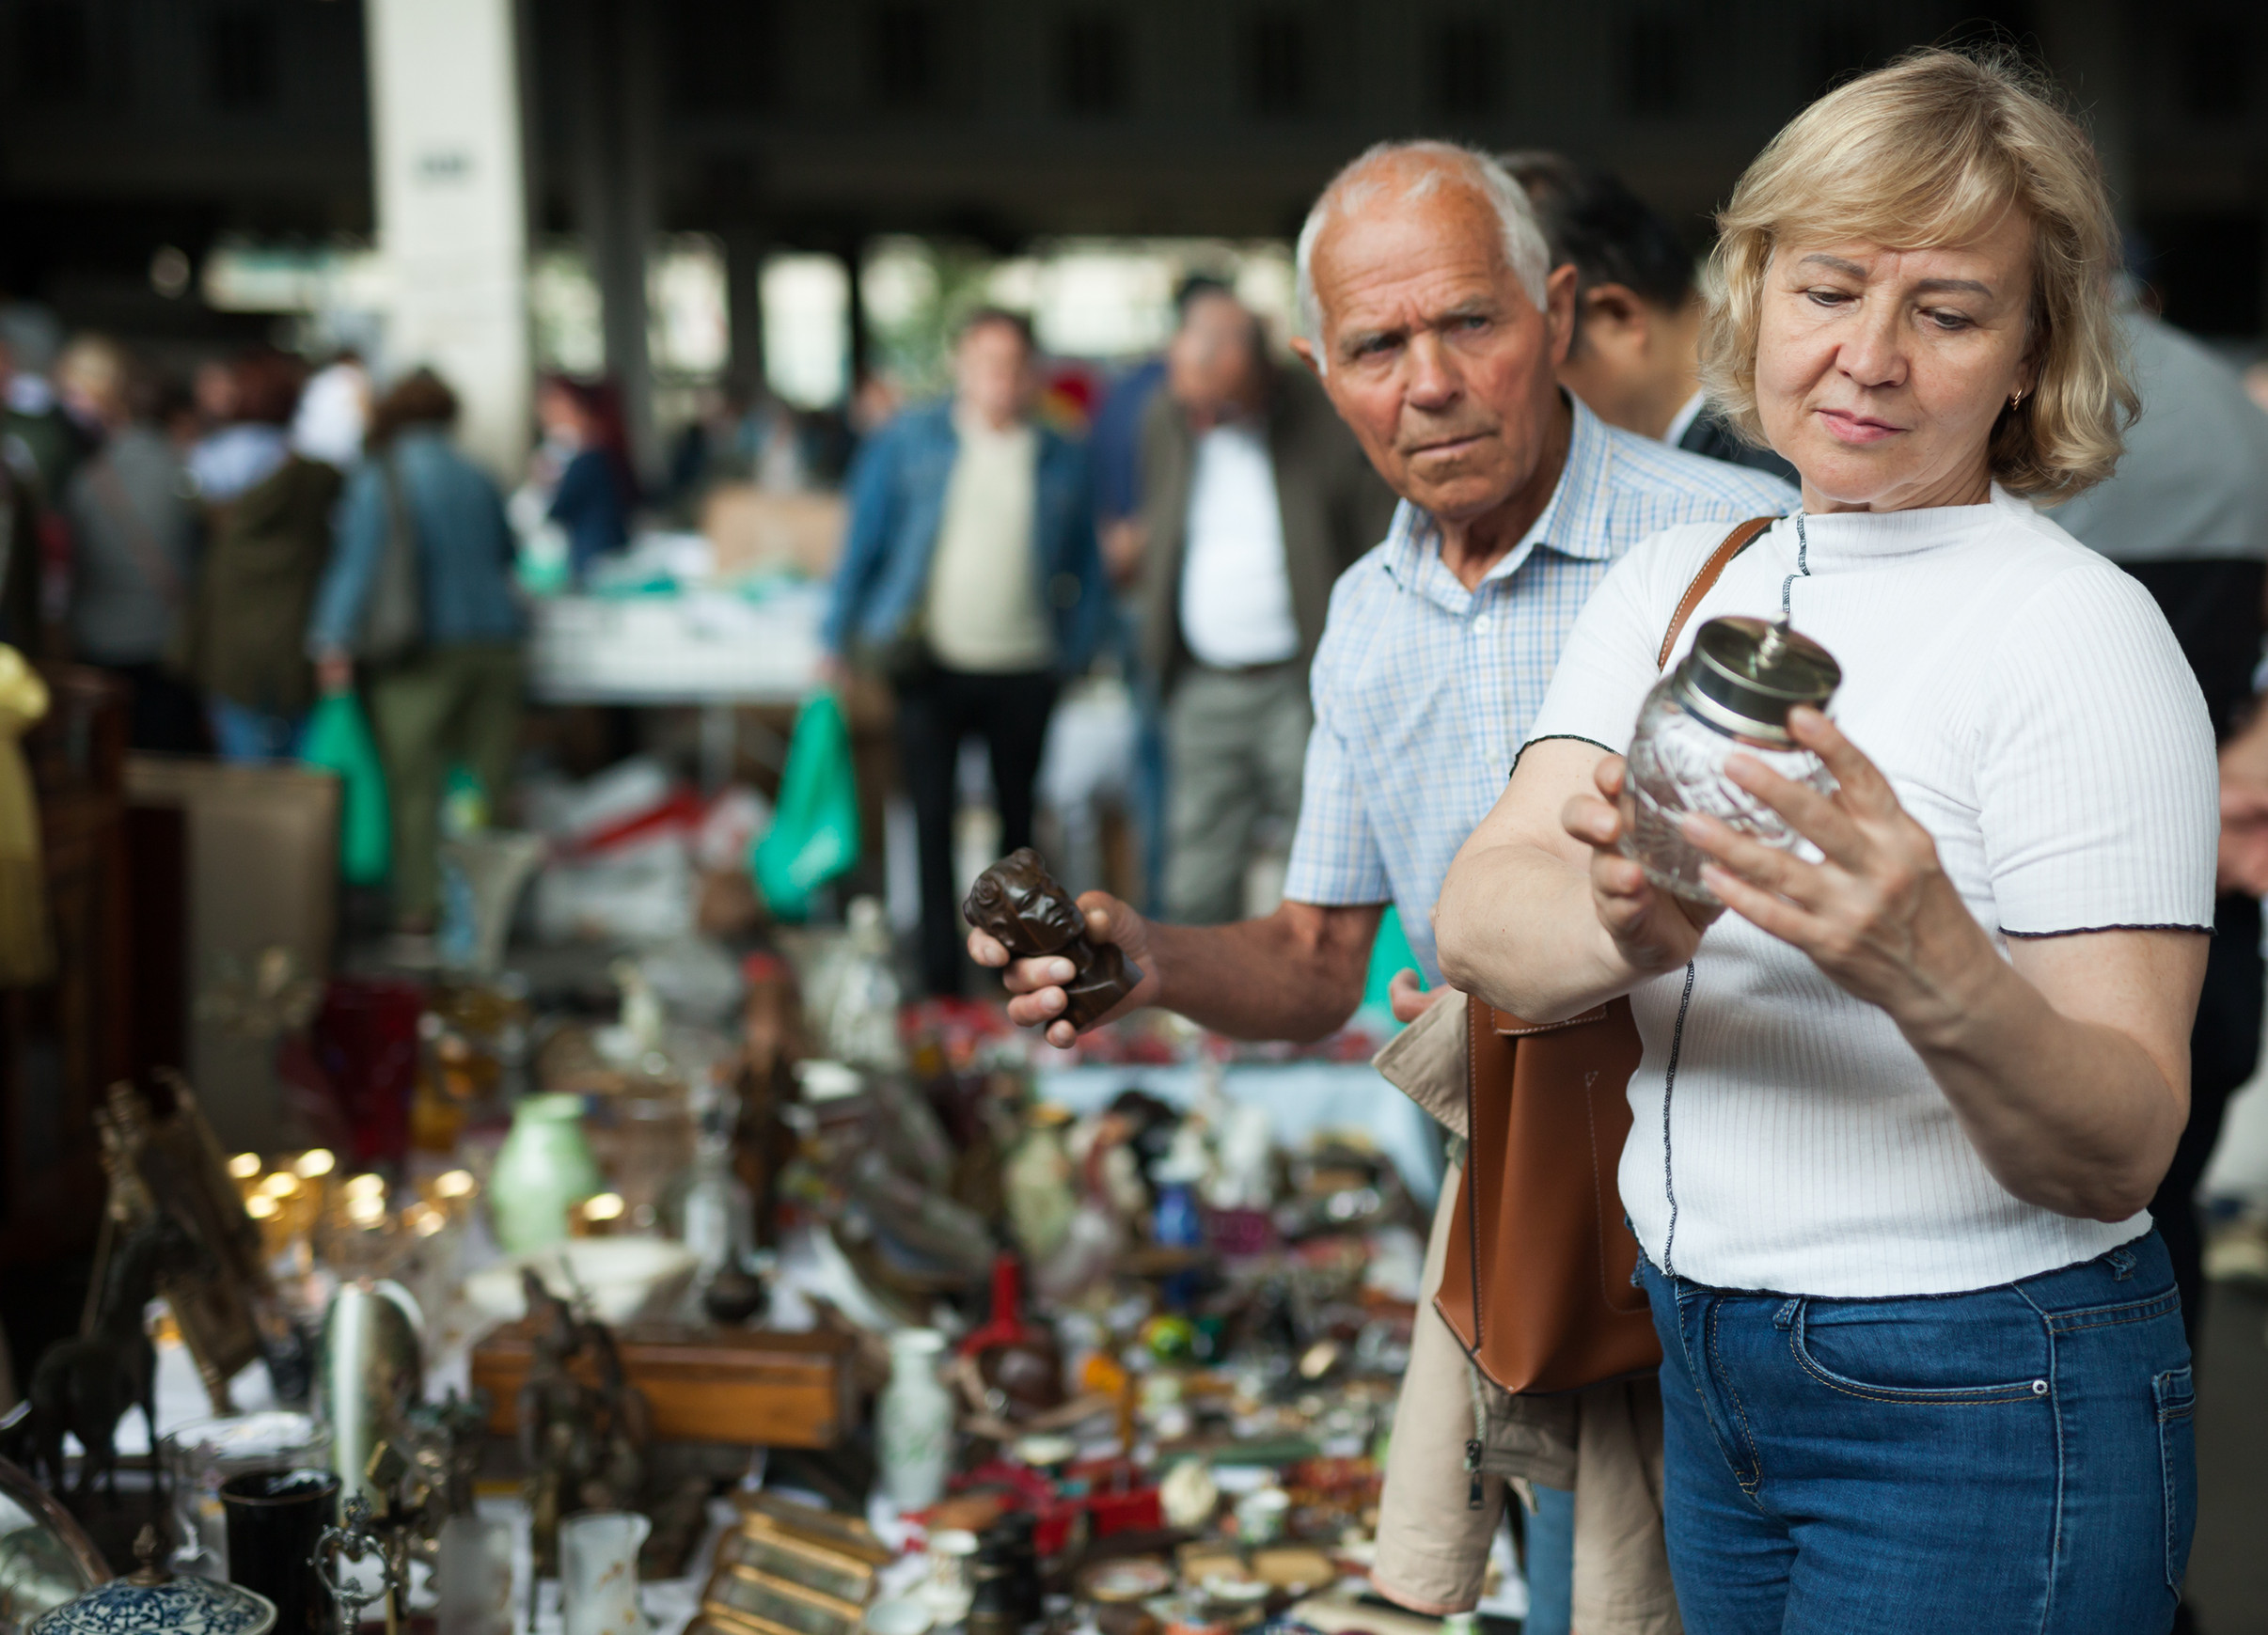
1605 1444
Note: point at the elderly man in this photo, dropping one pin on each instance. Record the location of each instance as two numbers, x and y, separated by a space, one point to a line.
1255 500
1436 324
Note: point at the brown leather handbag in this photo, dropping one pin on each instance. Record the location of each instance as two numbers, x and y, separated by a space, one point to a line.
1536 1282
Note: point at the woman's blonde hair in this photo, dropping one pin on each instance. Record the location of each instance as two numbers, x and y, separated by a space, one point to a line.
1932 151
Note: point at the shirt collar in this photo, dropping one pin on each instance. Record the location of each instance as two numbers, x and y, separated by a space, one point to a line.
1573 523
1682 421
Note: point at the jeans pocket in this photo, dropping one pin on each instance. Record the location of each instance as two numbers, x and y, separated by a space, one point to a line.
2177 1401
1928 1353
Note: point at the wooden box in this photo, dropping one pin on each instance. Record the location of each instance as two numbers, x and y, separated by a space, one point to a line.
746 1385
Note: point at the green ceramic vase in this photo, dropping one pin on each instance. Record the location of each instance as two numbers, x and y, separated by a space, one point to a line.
543 1169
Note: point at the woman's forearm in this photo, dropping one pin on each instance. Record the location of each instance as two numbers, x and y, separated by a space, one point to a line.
1539 915
1515 926
2072 1115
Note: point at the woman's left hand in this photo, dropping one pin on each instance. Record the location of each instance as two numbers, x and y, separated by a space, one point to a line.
1877 912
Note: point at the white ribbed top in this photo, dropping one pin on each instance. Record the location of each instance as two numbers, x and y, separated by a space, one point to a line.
2029 703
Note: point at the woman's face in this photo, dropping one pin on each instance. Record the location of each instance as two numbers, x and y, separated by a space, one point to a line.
1880 372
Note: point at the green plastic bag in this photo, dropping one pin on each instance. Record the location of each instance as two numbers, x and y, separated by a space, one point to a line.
814 833
338 740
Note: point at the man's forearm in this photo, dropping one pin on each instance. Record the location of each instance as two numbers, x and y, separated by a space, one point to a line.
1296 975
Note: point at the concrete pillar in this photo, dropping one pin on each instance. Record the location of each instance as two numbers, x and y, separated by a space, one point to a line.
744 247
615 98
452 208
851 252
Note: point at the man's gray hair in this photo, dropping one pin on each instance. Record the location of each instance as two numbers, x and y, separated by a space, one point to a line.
1442 162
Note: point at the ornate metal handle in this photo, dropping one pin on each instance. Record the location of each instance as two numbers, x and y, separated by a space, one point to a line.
356 1542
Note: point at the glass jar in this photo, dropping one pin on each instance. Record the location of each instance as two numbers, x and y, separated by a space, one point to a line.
1730 693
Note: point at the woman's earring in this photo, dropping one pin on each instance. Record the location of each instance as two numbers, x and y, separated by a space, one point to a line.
2016 401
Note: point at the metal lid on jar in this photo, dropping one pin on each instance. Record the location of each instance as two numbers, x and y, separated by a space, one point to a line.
1743 675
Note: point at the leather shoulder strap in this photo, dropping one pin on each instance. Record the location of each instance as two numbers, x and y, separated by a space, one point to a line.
1742 536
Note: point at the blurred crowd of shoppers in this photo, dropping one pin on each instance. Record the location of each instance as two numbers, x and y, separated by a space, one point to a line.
217 544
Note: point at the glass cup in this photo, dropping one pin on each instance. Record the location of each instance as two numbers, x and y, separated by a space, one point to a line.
598 1573
201 1456
474 1577
274 1523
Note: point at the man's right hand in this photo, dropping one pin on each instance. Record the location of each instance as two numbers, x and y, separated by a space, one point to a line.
1036 984
1408 1002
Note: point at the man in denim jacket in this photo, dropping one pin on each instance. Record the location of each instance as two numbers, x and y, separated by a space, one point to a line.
970 577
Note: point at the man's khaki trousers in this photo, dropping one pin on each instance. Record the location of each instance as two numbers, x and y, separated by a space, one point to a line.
1605 1444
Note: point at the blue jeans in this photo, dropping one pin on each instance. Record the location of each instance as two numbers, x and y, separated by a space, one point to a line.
1551 1564
250 737
2020 1458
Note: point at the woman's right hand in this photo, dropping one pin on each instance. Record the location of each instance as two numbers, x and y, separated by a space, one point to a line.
1654 929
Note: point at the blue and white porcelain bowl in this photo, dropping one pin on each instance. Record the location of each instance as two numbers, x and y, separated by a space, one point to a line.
151 1601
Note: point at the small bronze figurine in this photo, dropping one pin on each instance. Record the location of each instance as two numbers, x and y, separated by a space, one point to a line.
583 1449
1019 902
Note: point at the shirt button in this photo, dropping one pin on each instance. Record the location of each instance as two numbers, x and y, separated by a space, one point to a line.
1482 625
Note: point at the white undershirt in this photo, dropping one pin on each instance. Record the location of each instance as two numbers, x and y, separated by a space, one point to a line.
1675 433
2034 713
1235 591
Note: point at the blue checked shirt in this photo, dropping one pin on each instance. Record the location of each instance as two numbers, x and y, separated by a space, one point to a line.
1424 690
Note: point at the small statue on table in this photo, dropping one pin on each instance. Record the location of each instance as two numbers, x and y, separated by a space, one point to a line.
1023 907
584 1447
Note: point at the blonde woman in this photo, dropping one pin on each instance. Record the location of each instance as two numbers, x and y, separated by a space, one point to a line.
1903 1102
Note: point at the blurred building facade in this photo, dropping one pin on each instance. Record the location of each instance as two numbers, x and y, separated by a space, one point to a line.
129 127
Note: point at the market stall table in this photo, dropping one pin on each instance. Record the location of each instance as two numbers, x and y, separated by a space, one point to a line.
1302 1098
713 650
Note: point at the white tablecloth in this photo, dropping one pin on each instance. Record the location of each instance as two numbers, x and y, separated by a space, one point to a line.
690 648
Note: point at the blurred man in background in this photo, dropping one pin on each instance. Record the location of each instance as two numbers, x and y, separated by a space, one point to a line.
33 418
268 540
1637 310
970 580
2187 514
1256 498
40 445
1114 440
134 546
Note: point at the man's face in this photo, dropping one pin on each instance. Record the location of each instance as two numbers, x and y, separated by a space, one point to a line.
1436 357
1213 361
992 368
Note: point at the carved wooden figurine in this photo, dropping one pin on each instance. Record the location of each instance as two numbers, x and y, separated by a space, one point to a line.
1020 904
